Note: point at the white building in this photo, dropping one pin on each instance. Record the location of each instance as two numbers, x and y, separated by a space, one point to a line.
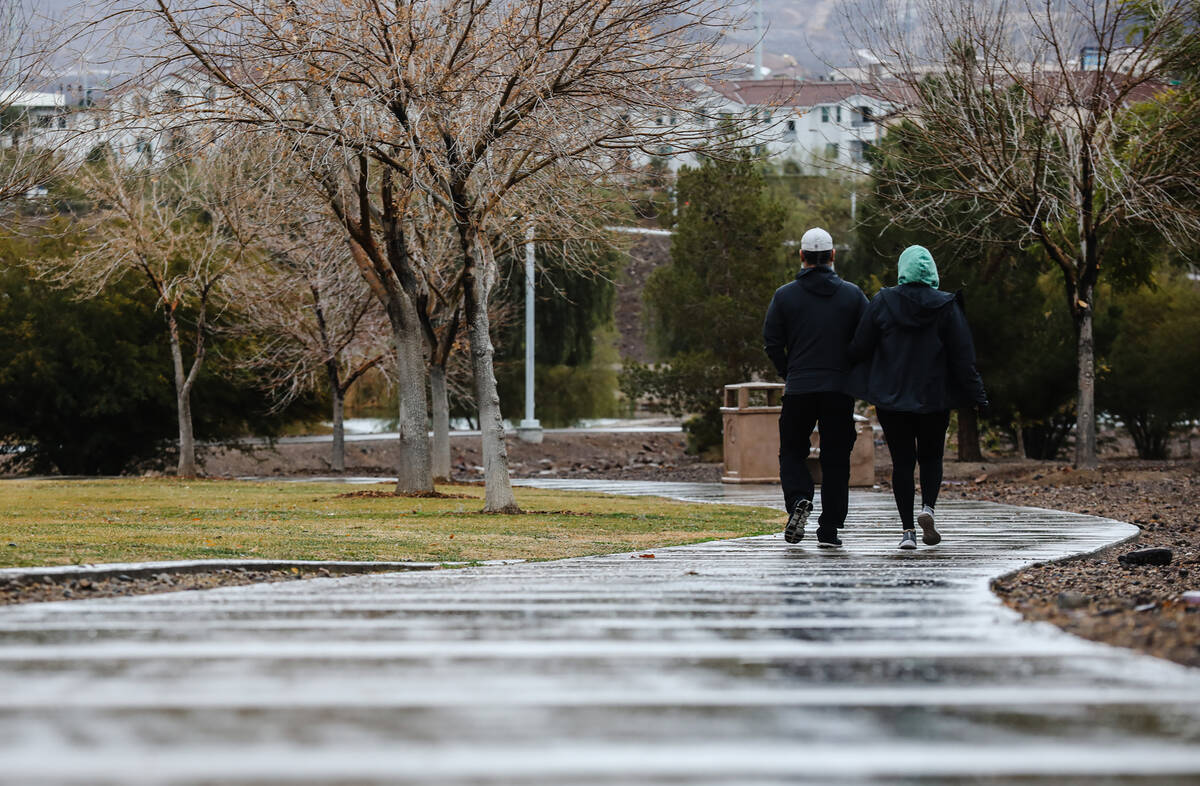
141 123
818 126
30 117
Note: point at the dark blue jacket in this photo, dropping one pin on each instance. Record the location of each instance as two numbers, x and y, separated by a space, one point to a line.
808 329
914 352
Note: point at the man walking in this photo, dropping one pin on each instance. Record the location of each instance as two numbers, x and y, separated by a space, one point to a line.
808 330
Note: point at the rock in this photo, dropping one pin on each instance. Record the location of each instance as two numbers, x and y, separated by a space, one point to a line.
1191 597
1072 600
1155 556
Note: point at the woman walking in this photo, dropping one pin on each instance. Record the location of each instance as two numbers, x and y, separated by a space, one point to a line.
915 348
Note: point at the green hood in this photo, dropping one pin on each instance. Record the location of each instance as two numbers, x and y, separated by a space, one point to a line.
917 267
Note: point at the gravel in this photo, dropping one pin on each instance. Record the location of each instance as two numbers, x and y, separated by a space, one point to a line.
51 589
1141 606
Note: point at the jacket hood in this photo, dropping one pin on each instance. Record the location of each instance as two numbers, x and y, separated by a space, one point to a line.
819 280
915 305
917 267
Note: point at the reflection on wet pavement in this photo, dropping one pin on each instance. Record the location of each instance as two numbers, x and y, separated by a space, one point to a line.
735 662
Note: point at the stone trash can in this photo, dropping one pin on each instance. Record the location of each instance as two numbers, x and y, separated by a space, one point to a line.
751 424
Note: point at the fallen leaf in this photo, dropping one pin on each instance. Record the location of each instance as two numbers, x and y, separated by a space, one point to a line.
981 478
643 556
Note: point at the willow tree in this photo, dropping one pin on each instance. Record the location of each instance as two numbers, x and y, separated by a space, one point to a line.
1002 120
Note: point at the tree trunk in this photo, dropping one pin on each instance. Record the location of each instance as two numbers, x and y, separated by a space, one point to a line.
968 435
413 468
337 454
441 422
498 493
183 405
1085 419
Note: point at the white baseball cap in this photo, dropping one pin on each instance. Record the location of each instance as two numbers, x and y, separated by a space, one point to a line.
816 239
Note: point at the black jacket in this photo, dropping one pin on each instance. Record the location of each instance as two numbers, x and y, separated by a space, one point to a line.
808 328
914 353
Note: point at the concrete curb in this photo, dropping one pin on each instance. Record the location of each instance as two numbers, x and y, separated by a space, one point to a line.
1110 548
181 567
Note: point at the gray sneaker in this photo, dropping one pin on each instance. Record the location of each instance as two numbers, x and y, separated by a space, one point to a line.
794 531
909 541
929 534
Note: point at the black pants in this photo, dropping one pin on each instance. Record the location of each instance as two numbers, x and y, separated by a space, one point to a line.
834 413
914 439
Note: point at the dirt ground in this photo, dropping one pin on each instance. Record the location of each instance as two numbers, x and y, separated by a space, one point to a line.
646 456
1097 597
648 253
51 589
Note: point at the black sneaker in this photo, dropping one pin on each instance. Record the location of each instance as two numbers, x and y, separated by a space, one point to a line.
794 531
828 540
929 534
908 541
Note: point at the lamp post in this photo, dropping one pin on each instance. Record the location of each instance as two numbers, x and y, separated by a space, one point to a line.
530 429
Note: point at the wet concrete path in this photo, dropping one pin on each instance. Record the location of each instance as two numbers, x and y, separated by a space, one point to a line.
737 662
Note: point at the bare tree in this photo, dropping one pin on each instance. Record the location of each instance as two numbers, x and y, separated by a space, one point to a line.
317 324
160 226
432 244
463 101
1043 122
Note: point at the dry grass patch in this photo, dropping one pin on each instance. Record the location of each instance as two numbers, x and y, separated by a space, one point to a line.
60 522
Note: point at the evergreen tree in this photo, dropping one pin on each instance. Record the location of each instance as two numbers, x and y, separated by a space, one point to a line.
706 307
1021 328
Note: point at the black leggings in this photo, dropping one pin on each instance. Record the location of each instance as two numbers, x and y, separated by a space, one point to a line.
913 439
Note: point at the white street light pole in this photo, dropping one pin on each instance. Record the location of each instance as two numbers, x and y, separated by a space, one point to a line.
529 430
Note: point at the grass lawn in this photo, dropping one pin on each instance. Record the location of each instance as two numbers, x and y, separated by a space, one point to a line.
62 522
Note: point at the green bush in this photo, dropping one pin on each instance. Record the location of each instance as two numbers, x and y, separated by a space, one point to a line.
86 384
1150 376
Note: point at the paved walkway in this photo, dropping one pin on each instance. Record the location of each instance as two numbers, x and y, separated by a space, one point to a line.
737 662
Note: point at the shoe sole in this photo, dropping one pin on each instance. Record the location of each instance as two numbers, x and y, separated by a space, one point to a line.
929 535
828 545
907 546
794 532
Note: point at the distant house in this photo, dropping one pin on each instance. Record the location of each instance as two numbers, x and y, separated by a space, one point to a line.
816 125
142 122
30 118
